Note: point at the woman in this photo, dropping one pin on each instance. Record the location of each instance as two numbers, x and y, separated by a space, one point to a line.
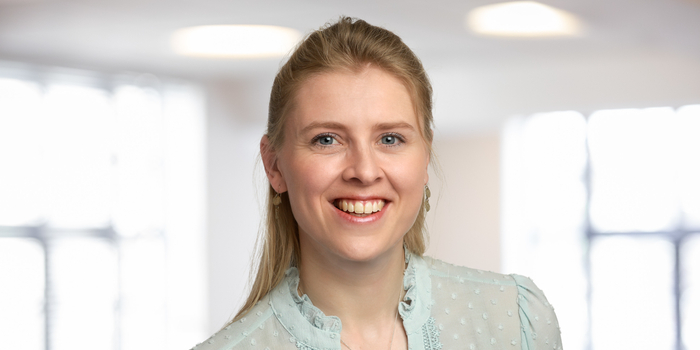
346 153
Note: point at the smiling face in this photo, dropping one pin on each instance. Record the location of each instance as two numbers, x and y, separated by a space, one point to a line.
354 164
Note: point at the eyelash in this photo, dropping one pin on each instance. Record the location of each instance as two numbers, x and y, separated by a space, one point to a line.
315 140
398 136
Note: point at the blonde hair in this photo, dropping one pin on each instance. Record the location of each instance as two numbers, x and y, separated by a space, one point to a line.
349 44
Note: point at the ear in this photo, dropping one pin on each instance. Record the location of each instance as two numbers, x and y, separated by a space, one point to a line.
269 158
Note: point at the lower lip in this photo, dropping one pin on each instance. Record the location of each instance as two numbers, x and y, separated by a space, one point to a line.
361 219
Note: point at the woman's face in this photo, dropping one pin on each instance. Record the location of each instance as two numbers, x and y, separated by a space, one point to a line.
353 162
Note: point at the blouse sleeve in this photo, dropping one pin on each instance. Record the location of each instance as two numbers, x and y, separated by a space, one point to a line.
539 325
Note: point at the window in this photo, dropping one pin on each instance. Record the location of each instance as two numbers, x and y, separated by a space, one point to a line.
603 213
95 253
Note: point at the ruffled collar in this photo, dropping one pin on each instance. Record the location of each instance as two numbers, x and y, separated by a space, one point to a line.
312 328
307 309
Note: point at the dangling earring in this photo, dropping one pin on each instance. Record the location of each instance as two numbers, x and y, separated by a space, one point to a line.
276 200
427 197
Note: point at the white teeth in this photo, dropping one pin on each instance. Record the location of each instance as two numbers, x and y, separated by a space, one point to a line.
360 207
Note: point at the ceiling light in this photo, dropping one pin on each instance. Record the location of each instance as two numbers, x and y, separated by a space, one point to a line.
522 18
235 41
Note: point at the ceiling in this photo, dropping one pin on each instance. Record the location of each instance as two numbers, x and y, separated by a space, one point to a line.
133 35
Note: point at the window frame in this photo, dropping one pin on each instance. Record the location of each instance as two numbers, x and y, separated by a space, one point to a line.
676 237
184 231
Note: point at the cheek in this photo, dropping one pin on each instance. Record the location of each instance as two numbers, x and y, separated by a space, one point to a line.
308 177
409 178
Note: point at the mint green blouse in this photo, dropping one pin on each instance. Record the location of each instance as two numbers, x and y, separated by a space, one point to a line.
445 307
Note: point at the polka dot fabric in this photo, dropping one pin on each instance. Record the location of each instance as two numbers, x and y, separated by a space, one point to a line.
486 310
445 307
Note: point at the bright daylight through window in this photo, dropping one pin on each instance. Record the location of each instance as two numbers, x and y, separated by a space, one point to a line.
608 207
88 243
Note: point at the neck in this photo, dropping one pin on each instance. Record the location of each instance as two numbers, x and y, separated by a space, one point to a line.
361 294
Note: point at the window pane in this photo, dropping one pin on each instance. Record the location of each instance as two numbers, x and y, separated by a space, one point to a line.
554 173
545 211
143 294
632 302
690 298
139 150
77 156
690 164
21 294
20 152
84 295
634 169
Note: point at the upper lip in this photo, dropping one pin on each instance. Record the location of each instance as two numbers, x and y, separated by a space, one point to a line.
360 198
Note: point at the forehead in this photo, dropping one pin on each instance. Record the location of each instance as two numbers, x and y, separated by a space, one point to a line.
368 96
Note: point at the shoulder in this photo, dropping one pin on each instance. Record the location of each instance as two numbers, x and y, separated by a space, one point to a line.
500 298
443 270
256 328
480 289
538 320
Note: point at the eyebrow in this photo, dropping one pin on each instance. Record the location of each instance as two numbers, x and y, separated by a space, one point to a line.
398 125
325 125
339 126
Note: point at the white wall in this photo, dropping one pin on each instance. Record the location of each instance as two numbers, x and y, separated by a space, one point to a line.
233 217
464 218
476 97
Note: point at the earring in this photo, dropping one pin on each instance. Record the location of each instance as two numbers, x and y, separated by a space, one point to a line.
427 197
276 200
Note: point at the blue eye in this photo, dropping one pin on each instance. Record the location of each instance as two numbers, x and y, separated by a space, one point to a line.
326 140
388 140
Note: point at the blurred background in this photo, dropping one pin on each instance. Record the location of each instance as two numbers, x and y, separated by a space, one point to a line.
567 133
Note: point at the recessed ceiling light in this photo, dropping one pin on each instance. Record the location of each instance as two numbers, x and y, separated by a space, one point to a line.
522 18
234 41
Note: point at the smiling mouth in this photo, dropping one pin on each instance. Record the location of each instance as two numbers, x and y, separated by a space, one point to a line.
359 208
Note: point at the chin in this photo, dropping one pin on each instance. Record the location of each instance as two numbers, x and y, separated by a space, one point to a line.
365 251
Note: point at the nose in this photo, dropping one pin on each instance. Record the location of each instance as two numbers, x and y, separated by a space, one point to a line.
362 166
